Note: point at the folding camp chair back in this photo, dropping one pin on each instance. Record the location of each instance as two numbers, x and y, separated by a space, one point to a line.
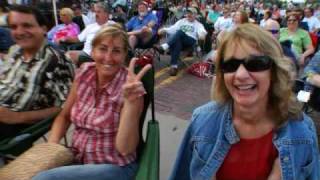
14 146
149 149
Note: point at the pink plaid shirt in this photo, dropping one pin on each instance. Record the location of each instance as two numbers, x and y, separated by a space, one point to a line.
96 117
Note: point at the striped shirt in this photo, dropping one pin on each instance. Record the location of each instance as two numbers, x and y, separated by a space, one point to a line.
40 83
96 115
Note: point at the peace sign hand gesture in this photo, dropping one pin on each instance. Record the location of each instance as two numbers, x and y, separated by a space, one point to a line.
133 87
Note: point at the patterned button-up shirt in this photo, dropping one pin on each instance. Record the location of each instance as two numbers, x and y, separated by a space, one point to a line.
96 115
42 82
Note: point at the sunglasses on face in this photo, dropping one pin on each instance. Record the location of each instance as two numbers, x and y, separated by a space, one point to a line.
274 31
252 63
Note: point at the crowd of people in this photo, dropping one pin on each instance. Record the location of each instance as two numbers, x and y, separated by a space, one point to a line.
82 69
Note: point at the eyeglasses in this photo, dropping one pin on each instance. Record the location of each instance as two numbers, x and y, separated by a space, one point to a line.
273 31
252 63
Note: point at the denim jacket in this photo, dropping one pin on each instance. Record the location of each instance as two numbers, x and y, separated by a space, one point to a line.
313 67
211 134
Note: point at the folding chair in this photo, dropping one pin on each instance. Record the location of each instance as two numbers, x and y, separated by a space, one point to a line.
195 52
149 149
148 49
14 146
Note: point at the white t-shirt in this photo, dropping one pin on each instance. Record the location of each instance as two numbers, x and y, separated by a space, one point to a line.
223 24
88 34
313 23
91 16
86 20
193 29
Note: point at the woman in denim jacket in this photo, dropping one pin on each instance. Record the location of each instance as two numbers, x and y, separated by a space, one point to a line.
254 128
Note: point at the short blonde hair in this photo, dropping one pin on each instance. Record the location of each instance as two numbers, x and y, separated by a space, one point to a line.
114 30
69 12
282 101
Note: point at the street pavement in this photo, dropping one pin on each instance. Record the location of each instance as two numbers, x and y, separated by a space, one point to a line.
175 99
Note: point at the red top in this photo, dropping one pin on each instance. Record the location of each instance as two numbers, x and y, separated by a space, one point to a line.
249 159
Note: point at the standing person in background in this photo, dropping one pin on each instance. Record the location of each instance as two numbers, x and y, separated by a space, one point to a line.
253 128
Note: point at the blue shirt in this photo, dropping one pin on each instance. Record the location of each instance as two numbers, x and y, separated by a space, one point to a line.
136 24
313 67
211 134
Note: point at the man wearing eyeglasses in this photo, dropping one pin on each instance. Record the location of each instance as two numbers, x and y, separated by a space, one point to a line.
274 28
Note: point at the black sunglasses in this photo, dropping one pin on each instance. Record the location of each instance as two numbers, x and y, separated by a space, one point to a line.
274 31
252 63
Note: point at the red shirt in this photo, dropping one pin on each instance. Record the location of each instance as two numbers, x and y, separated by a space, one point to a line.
249 159
96 118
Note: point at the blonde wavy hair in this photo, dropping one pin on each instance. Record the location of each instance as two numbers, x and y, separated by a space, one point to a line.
282 101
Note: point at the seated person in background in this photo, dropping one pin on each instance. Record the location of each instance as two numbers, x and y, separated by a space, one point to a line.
120 15
142 27
35 77
122 3
67 29
273 27
301 41
105 104
313 22
184 33
5 40
312 71
79 18
266 16
3 13
213 15
91 13
86 36
223 22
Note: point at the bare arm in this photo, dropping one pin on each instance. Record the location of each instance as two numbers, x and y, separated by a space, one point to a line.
306 53
127 137
62 121
276 171
11 117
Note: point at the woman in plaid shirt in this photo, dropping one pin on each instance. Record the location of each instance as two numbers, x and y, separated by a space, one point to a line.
104 104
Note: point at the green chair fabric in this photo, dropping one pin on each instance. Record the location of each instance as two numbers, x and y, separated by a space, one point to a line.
149 150
24 140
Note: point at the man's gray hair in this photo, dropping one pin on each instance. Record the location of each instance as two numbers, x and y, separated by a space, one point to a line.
103 6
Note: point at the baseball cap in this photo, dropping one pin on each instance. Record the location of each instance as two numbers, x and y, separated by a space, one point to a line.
143 3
